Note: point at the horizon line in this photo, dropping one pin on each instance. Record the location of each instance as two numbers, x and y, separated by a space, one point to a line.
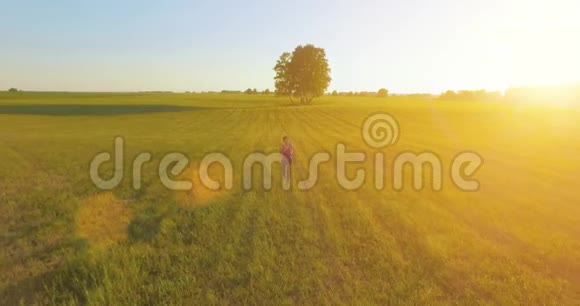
224 91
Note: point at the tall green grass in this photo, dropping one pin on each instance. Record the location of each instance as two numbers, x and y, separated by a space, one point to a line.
513 242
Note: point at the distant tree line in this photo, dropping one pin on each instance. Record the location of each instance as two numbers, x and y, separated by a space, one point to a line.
254 91
552 94
383 92
471 95
249 91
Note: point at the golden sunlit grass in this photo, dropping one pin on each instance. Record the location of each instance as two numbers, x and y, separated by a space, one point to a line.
515 241
199 195
103 219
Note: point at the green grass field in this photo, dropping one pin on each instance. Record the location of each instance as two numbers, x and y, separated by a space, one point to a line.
515 241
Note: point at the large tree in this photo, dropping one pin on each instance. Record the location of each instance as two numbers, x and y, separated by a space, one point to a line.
303 74
383 92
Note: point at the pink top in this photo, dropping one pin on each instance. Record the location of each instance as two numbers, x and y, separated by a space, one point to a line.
288 151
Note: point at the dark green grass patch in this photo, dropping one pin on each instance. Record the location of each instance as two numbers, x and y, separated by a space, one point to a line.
90 109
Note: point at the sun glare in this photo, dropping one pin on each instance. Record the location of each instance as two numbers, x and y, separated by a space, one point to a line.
512 45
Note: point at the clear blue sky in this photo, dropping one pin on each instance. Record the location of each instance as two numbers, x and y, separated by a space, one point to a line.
405 46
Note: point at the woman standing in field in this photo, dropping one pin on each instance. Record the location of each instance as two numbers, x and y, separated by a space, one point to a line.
287 152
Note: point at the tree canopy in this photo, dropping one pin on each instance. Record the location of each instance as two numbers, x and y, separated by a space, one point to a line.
303 74
383 92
